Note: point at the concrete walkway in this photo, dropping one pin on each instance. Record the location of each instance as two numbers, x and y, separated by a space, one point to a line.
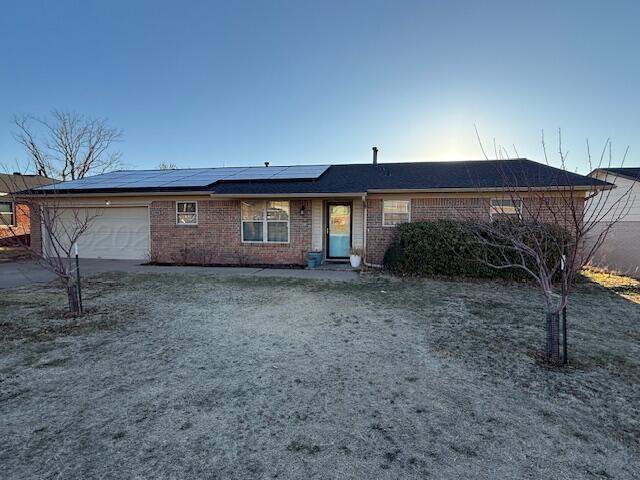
17 274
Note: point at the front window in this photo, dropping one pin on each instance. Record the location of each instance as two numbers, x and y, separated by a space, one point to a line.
265 221
503 208
395 212
186 213
7 214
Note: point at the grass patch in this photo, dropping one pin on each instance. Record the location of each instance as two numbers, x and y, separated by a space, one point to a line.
622 285
13 254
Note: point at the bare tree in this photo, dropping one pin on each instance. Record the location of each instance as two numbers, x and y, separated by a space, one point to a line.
68 146
58 226
546 230
167 166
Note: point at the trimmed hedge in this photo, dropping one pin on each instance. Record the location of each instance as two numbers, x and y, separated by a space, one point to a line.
447 247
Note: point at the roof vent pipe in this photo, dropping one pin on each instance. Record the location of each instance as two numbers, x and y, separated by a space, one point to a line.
375 156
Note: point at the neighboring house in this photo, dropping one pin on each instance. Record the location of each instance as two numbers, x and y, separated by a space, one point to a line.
621 249
14 216
275 215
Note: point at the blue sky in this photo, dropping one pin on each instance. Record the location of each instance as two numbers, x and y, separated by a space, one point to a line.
239 83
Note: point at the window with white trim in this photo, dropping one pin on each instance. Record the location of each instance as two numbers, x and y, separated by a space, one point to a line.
265 221
505 208
186 213
395 212
7 214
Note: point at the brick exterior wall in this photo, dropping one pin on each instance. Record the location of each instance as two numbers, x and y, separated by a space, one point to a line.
217 239
434 208
36 229
442 208
22 226
378 237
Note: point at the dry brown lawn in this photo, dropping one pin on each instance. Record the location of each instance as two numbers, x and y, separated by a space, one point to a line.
185 376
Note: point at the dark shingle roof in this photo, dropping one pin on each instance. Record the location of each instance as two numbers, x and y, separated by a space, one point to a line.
11 183
361 178
630 172
356 178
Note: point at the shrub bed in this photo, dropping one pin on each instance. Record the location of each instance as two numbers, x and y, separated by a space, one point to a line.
449 248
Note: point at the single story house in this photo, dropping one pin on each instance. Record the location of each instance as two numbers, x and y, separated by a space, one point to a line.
14 216
621 249
275 215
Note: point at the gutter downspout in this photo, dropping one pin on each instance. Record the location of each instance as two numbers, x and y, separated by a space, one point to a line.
364 226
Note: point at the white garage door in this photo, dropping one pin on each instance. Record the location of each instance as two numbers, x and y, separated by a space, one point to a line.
114 232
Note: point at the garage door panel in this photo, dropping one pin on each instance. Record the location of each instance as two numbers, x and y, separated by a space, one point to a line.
114 232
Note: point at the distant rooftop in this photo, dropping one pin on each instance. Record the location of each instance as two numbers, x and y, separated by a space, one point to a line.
12 182
630 172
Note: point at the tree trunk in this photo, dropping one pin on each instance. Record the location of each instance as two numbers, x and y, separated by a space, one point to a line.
553 338
72 294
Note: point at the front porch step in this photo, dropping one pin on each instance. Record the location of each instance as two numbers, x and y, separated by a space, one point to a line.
336 267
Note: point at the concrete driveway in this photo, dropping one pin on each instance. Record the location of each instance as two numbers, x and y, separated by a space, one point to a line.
18 274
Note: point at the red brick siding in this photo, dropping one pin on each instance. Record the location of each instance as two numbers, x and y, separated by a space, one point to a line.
442 208
36 228
22 224
216 239
550 210
379 238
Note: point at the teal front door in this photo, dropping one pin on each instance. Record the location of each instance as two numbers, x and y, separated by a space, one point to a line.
338 230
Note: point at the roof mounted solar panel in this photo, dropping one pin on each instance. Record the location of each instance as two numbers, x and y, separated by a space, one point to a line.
186 178
301 172
249 176
73 184
189 182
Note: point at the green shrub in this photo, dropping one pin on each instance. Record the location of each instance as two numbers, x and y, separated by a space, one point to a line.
448 247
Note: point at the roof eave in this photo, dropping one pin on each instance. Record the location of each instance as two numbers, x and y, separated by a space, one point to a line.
288 195
128 193
585 188
131 193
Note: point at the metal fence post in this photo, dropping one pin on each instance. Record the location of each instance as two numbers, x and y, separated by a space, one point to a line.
565 358
78 278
